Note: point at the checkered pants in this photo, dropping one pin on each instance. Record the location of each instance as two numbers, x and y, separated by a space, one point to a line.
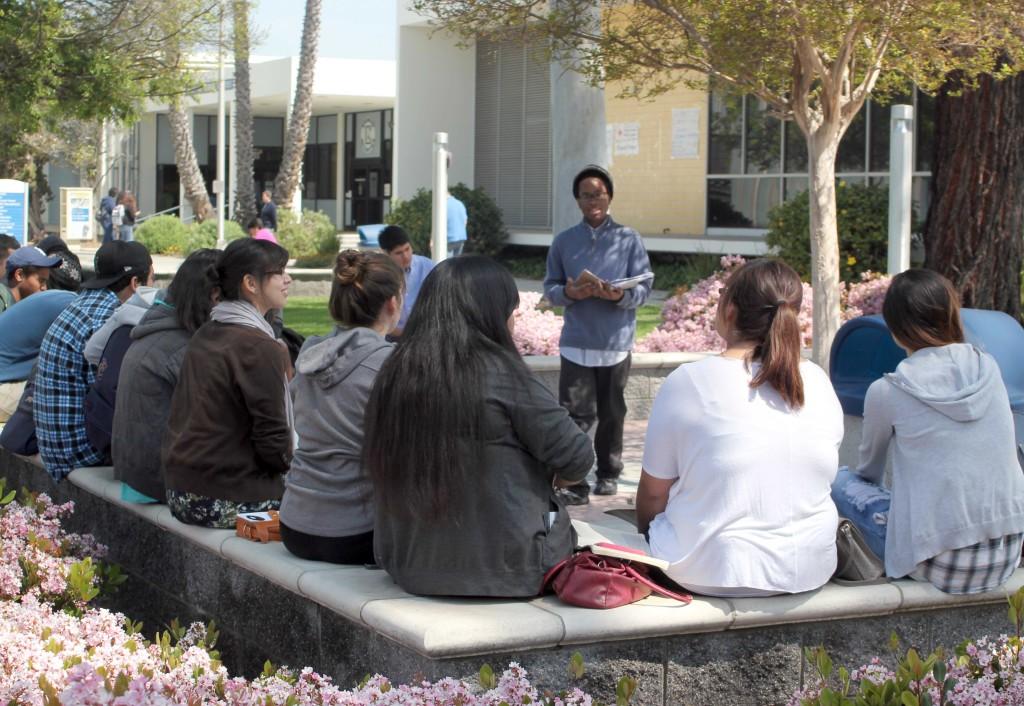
975 569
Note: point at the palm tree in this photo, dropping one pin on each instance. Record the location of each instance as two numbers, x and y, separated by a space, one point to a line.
245 196
298 126
185 159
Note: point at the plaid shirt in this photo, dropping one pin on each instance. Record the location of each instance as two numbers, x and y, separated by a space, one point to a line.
975 569
62 381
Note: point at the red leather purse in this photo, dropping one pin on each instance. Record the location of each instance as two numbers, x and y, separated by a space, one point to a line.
591 581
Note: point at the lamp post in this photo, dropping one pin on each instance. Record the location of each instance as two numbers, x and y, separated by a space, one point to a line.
901 168
218 185
439 221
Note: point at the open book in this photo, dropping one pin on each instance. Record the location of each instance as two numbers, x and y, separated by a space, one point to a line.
621 542
588 277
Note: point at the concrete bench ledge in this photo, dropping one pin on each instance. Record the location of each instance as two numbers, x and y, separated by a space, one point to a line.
451 627
644 361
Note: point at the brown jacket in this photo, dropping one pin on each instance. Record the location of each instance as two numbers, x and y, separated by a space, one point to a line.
228 435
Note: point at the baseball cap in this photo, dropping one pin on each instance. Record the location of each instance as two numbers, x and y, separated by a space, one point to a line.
117 259
30 256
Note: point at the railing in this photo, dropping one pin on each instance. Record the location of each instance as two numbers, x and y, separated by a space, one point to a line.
172 209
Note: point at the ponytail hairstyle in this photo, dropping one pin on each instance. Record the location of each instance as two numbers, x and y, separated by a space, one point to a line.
766 295
363 284
922 310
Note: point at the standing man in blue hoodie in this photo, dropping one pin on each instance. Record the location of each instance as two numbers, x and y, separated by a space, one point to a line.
600 322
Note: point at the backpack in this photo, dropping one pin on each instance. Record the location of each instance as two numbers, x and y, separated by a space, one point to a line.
117 215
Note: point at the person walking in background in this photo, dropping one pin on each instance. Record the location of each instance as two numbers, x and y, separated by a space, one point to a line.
129 212
394 241
954 515
600 322
268 212
458 220
741 450
105 214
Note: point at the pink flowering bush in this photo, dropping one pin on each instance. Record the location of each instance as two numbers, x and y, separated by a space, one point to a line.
866 296
983 671
54 649
688 318
537 330
40 561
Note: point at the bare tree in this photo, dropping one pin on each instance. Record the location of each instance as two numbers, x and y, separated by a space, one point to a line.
185 159
245 195
298 126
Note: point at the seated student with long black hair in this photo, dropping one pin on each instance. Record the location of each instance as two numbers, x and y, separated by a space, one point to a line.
229 435
149 374
327 509
954 516
464 445
741 450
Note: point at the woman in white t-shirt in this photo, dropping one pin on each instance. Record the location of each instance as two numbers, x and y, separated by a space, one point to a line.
741 451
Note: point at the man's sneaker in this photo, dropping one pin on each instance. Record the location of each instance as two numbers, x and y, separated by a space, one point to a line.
572 496
606 486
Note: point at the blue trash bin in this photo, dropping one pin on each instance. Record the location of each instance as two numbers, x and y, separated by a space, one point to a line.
368 234
863 351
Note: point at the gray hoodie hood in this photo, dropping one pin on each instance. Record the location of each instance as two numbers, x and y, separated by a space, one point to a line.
130 313
959 380
330 359
160 317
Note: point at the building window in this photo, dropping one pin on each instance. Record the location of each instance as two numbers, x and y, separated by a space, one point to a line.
756 161
513 129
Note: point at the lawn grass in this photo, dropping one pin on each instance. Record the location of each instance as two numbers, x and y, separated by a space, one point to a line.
308 316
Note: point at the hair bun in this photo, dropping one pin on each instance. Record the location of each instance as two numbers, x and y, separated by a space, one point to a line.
350 267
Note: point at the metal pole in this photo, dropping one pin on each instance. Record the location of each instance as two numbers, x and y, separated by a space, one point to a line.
901 170
218 185
439 222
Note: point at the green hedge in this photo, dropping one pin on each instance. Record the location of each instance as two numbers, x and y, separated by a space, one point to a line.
863 222
315 237
486 231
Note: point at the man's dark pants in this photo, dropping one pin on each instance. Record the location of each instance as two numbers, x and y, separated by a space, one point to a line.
597 395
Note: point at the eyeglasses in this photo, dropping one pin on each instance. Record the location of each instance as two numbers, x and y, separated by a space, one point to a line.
593 196
271 273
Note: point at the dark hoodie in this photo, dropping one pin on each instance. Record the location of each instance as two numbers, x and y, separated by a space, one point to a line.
327 492
149 374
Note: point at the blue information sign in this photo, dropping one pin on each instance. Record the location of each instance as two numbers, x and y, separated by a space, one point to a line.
14 209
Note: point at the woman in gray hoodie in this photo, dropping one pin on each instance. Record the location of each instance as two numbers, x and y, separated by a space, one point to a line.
327 509
955 513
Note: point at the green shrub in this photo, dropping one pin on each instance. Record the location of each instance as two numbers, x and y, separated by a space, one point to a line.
486 232
863 221
204 235
163 235
314 235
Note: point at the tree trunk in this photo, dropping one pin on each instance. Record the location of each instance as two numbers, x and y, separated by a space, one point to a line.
822 146
245 196
40 195
975 225
188 165
298 125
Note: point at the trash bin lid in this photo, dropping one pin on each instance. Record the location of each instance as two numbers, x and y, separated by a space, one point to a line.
1000 336
368 234
862 352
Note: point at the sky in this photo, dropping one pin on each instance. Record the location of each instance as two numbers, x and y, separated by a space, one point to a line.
351 29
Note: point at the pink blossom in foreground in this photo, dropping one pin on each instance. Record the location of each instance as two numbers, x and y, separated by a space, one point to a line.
536 330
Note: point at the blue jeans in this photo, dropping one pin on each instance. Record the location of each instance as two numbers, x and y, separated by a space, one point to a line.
864 504
127 233
108 232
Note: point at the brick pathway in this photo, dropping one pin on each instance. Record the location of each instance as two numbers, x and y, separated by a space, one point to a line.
632 457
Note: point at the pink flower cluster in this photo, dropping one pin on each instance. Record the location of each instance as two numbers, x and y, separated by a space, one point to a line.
688 318
990 673
37 555
92 660
92 657
865 297
537 330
